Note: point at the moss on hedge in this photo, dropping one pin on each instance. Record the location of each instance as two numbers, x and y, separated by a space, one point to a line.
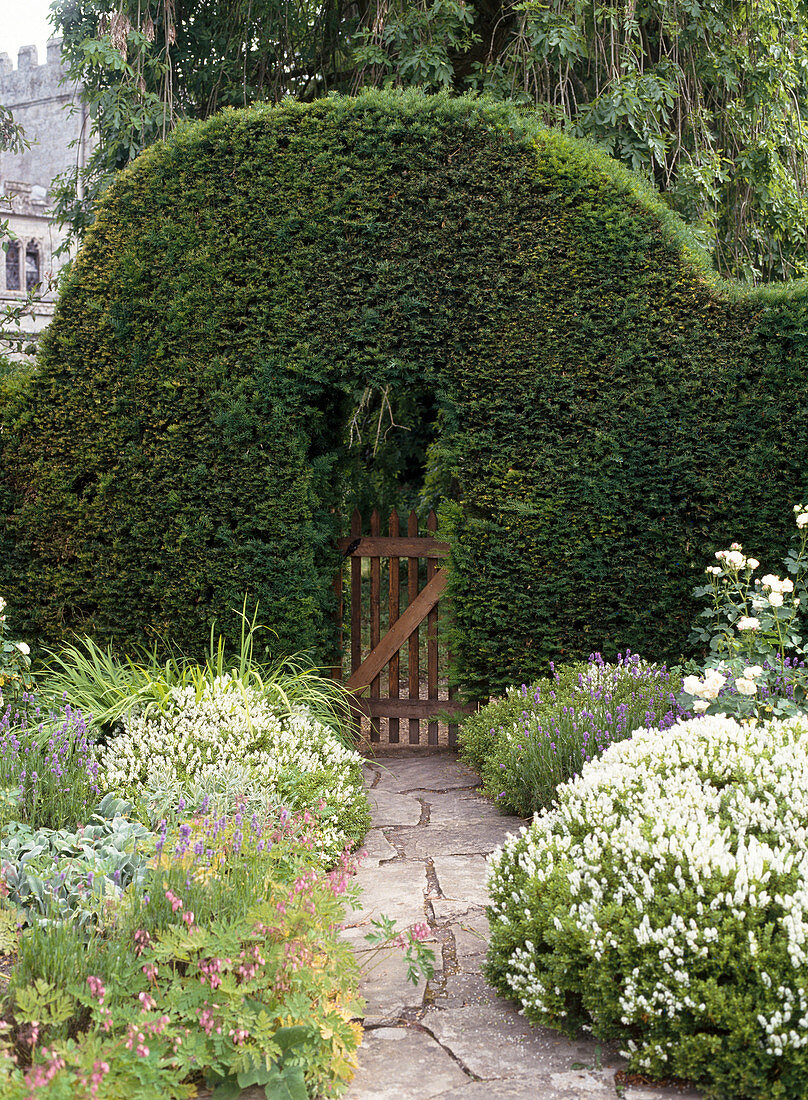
612 412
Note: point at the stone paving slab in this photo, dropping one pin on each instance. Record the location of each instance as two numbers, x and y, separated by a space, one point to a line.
471 934
546 1087
466 988
389 809
398 1063
377 848
395 890
452 807
453 1038
462 882
494 1040
459 839
388 995
436 772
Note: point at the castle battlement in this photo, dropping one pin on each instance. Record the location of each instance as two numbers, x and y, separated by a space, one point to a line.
56 124
30 80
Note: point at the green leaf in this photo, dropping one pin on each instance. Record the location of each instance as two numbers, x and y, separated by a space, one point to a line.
288 1085
229 1089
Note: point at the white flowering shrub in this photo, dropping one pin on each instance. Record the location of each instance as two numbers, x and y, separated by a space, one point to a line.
202 735
664 903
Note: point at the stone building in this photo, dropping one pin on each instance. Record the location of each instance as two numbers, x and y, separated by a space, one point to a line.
50 111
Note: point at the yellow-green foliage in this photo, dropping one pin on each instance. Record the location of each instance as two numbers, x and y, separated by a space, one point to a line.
610 413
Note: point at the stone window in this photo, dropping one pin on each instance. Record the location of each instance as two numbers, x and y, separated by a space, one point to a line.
13 266
32 266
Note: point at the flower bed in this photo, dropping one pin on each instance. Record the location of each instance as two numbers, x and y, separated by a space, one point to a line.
201 735
539 736
224 966
188 932
662 903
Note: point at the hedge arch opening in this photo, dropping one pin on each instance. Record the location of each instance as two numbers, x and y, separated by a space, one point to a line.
607 412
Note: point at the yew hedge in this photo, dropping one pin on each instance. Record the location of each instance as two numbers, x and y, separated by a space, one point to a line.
608 411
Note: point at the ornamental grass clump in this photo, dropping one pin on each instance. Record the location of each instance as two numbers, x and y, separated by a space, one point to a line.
107 686
663 903
541 736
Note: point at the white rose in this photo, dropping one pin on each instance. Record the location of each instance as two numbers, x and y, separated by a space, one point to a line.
2 604
691 684
802 519
786 585
752 563
735 546
770 581
734 559
700 705
748 622
776 599
745 687
716 570
709 690
713 676
753 671
23 647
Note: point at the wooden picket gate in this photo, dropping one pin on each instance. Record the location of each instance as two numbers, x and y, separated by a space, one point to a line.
404 701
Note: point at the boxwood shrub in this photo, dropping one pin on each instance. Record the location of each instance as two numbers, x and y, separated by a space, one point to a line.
607 412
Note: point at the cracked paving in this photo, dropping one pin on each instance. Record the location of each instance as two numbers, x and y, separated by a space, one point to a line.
453 1038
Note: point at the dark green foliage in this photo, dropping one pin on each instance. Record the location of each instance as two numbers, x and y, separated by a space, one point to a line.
609 413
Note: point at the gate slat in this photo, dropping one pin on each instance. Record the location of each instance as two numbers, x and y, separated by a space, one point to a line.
394 639
413 658
356 604
432 637
394 594
452 697
375 620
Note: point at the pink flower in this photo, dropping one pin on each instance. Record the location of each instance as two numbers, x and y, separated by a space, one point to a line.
206 1020
176 903
142 941
97 988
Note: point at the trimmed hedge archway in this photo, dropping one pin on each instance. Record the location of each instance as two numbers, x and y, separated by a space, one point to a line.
610 412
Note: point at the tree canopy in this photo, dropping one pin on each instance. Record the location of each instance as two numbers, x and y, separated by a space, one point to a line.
707 98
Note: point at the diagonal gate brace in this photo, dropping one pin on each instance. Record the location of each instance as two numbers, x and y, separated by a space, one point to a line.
398 634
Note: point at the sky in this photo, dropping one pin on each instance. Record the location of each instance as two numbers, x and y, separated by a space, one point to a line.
24 23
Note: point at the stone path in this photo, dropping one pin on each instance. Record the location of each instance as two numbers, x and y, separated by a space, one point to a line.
454 1038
